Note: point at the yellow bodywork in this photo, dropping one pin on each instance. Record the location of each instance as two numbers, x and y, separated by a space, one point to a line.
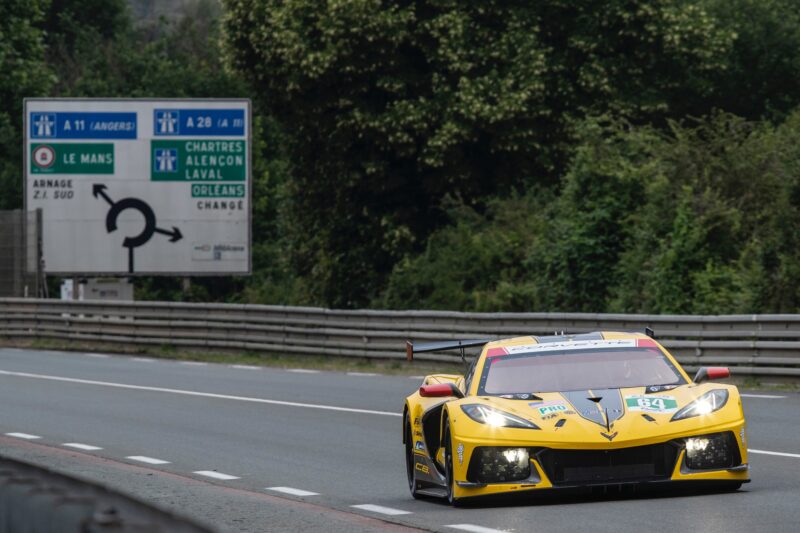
631 429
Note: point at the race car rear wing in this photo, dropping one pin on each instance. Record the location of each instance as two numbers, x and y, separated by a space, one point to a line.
442 346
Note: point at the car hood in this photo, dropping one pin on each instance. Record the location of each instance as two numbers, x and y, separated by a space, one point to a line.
620 416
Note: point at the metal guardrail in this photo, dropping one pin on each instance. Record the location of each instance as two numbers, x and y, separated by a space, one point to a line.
36 500
765 345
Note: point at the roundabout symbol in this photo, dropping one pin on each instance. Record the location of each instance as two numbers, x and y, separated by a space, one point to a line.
150 226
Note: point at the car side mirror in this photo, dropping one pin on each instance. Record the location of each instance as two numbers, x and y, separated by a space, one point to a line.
440 390
707 373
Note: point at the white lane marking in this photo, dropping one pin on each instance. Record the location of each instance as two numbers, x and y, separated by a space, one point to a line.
215 475
379 509
195 393
475 529
362 374
765 396
78 445
194 363
781 454
144 359
97 355
302 370
246 367
148 460
26 436
293 492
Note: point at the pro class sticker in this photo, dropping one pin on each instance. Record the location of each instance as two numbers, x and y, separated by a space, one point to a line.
547 408
651 403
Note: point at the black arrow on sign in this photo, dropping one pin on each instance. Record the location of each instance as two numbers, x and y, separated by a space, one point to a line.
175 234
147 212
98 189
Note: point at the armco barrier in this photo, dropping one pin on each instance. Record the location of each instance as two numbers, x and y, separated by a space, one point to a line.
36 500
766 345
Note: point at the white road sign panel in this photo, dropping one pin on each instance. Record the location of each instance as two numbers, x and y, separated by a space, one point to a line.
135 187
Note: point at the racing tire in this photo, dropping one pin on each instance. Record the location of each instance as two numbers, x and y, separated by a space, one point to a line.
448 465
411 472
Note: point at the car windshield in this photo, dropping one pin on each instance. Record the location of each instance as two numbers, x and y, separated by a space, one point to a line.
569 370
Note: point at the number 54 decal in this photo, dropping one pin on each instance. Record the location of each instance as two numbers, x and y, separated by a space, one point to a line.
653 404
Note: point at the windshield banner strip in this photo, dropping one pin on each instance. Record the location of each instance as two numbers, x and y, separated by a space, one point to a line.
574 345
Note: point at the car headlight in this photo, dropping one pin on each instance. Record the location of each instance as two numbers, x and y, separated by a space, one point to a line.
718 450
709 402
496 418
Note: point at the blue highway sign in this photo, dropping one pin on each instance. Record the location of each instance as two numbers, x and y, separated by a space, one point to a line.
60 125
197 122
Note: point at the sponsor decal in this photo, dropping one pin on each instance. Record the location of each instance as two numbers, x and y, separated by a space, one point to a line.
651 404
611 436
416 421
419 445
659 388
741 436
417 433
460 452
571 345
422 468
549 408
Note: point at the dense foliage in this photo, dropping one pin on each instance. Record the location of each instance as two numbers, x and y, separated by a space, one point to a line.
606 155
391 107
23 72
700 219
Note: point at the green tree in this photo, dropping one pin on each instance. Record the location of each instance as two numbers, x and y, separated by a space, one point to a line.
390 107
478 261
24 73
704 218
762 78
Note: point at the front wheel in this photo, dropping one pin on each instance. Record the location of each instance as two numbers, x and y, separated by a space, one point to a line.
448 465
410 462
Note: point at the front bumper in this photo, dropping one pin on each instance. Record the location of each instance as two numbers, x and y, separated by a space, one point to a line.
653 464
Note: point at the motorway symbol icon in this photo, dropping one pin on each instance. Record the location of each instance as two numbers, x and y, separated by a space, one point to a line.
166 122
99 190
166 160
43 125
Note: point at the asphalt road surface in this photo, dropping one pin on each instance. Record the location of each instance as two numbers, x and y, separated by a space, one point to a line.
261 449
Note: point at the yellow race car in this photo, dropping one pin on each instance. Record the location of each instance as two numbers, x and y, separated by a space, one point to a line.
569 411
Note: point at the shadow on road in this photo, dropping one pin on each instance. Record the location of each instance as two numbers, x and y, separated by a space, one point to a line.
591 495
